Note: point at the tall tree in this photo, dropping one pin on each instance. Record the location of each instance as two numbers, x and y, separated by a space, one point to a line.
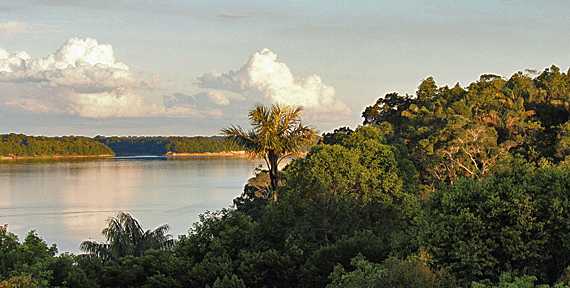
125 236
277 133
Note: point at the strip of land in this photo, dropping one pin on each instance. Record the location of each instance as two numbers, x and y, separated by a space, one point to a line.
9 158
208 154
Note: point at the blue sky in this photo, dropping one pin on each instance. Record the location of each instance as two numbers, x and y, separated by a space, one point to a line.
191 67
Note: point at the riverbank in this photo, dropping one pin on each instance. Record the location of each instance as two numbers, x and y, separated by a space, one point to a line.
12 158
210 154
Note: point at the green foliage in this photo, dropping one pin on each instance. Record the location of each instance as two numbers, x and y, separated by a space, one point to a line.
233 282
128 146
156 268
277 132
339 201
451 133
71 271
411 272
19 282
266 268
19 145
337 136
213 244
8 251
321 263
34 264
563 141
518 221
507 281
363 172
126 237
255 197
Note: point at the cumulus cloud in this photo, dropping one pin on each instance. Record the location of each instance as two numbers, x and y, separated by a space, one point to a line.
81 78
265 79
74 53
13 27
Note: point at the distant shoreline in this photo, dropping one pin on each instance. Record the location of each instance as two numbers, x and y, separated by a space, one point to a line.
212 154
240 154
8 158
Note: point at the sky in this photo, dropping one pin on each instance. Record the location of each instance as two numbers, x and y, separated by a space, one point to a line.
191 67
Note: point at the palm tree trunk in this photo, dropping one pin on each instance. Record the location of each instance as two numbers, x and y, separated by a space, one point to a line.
273 172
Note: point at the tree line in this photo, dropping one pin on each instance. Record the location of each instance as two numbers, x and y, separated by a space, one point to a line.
158 145
451 187
20 145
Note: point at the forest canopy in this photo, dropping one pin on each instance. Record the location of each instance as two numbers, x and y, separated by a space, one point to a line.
457 132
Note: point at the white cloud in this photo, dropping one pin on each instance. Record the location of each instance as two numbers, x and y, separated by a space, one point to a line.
114 104
13 27
122 104
74 53
265 79
81 78
218 98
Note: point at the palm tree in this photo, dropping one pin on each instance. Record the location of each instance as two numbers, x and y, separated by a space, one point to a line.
277 133
125 236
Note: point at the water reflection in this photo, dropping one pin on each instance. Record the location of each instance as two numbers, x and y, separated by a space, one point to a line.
68 201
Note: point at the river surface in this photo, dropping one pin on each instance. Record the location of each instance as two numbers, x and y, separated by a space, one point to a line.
68 201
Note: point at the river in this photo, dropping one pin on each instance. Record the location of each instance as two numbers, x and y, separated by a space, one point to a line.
67 201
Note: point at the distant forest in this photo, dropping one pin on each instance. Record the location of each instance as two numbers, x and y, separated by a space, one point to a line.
128 146
20 145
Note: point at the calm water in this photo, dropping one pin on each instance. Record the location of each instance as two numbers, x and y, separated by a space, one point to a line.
68 201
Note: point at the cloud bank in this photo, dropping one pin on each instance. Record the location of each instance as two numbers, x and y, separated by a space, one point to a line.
263 79
81 78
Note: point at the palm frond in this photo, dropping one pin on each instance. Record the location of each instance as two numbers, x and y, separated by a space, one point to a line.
276 133
125 236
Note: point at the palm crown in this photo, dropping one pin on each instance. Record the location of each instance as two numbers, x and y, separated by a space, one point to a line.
277 133
125 236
